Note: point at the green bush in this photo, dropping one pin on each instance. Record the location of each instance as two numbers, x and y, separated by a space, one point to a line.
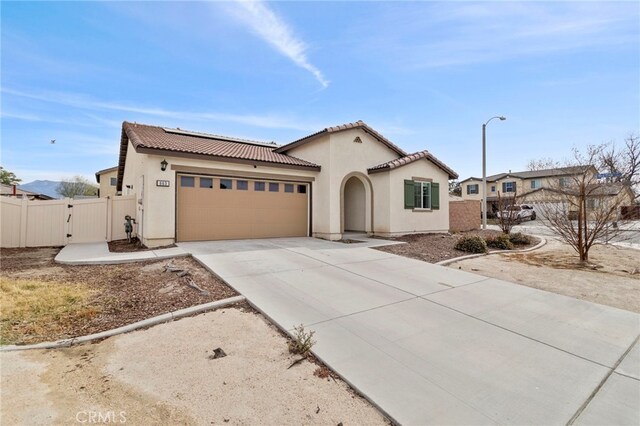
500 242
471 244
519 239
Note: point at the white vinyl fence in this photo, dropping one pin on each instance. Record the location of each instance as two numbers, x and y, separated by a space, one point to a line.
35 223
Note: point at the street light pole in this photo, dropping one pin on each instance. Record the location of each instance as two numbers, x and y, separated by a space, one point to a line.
484 169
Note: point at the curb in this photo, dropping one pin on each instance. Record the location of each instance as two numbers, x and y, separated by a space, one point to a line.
448 262
127 328
119 261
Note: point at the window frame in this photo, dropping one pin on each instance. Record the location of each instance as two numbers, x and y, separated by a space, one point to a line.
220 185
113 181
205 187
506 185
242 185
184 178
259 186
419 194
271 186
473 185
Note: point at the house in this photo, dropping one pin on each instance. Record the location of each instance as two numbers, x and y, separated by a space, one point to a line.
194 186
14 191
519 183
545 186
108 179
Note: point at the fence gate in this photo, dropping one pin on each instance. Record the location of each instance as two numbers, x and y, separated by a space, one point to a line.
87 220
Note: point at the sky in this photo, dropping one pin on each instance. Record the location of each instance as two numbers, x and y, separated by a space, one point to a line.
426 75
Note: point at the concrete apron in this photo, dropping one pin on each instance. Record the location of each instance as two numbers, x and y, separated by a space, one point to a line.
433 345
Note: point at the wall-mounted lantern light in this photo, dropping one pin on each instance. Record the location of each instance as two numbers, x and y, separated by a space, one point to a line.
163 165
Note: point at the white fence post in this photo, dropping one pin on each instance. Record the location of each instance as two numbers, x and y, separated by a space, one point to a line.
109 218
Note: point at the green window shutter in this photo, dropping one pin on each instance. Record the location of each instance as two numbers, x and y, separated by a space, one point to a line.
409 202
435 196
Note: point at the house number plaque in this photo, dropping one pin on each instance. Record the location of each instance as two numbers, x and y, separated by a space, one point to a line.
162 183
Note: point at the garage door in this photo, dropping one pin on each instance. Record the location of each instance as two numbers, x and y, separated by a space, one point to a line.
218 208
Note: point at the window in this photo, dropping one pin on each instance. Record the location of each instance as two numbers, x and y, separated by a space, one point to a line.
535 184
508 187
288 187
113 181
493 188
187 181
258 186
274 187
302 189
242 185
225 183
206 182
564 182
422 195
472 189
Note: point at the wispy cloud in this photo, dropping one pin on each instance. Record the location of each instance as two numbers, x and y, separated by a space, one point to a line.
270 121
450 34
274 30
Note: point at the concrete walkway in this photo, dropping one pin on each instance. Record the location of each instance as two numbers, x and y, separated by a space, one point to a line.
98 253
433 345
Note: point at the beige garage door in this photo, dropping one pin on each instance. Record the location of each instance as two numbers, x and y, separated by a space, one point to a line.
214 208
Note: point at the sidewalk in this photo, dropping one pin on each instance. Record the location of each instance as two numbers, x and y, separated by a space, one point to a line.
98 253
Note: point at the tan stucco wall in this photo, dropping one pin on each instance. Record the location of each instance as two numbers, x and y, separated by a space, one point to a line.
340 158
404 221
134 177
106 189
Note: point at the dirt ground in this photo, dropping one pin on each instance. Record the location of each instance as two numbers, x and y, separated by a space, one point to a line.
125 246
164 375
434 248
123 294
613 280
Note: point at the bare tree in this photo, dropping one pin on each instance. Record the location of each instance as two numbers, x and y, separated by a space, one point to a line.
581 209
542 164
622 163
507 215
455 188
77 186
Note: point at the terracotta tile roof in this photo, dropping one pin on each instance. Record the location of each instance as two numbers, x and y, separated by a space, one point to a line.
407 159
357 125
222 147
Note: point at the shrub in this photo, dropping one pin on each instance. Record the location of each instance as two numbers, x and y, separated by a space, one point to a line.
519 239
471 244
500 242
302 341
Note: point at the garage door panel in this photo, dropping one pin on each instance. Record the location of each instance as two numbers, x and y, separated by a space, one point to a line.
215 214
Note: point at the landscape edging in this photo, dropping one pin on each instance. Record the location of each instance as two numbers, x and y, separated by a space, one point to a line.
448 262
170 316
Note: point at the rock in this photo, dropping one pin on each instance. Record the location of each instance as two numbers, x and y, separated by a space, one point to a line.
217 353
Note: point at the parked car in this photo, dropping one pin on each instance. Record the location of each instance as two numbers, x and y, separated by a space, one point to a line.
518 212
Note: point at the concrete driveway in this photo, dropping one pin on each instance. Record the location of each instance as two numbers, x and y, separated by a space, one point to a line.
433 345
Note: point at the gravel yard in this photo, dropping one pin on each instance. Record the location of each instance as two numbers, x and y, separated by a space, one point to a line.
434 248
612 279
107 296
164 375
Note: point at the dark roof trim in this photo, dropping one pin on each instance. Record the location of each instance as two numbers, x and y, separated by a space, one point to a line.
101 172
342 127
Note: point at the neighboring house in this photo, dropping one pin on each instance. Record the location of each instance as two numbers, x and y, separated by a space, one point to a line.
108 179
13 191
544 186
519 183
195 186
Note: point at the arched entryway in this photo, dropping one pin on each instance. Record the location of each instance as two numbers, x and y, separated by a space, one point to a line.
356 204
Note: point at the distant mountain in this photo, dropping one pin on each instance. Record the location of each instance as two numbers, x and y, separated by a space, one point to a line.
46 187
